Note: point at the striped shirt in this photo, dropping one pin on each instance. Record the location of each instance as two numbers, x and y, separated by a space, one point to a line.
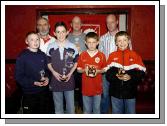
107 44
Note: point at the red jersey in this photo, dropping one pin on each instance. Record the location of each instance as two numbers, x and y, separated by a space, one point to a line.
91 86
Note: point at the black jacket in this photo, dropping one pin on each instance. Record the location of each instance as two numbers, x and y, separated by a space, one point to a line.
124 89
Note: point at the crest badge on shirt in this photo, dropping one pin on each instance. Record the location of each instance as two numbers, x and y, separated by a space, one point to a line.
131 59
115 59
97 59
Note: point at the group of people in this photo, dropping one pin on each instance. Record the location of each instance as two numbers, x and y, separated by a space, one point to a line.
104 70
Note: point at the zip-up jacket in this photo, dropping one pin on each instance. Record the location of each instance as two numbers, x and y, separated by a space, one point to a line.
27 70
132 64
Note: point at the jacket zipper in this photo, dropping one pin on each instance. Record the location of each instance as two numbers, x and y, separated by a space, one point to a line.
123 69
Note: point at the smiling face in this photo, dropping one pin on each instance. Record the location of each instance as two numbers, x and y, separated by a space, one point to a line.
33 41
60 33
122 42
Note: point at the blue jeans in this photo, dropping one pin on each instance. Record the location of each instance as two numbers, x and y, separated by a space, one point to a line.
58 102
123 106
91 103
105 99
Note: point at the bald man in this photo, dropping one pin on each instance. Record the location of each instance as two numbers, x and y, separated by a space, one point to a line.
43 28
76 36
107 46
107 43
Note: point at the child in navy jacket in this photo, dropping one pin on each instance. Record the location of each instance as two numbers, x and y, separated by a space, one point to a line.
31 74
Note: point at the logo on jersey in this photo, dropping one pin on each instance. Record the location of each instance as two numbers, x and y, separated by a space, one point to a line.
97 59
131 59
116 58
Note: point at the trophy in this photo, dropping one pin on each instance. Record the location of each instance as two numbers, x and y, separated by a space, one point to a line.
91 71
121 72
64 77
42 75
77 44
68 62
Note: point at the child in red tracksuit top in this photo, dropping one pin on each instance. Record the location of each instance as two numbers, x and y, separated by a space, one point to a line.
125 70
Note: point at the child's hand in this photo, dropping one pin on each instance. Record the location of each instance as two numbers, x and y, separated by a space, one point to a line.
124 77
46 81
68 77
40 84
63 77
57 75
86 70
80 70
100 71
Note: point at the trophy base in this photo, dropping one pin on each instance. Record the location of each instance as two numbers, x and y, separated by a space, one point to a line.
120 75
63 78
41 80
91 75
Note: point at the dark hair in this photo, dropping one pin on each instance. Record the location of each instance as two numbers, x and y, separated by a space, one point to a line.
91 35
30 33
61 23
121 33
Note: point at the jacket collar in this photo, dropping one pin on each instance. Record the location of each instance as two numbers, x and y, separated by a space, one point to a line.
126 50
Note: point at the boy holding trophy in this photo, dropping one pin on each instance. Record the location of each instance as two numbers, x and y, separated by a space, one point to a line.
91 64
125 70
32 74
62 62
